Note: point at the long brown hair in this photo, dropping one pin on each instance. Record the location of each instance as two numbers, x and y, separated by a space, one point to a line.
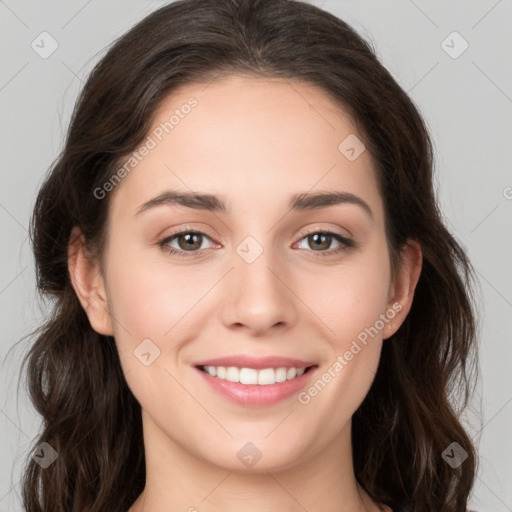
411 414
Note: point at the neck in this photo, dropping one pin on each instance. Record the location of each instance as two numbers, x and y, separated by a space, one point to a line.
176 479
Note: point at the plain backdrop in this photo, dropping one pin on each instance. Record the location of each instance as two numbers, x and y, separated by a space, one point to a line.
465 95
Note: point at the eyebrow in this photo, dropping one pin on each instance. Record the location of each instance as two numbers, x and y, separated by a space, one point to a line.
218 204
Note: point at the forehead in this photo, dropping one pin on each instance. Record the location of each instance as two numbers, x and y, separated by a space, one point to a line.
245 137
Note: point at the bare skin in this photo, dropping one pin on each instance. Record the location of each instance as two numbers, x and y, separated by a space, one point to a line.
255 142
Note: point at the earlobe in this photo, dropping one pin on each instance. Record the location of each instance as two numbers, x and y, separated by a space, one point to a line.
88 284
403 285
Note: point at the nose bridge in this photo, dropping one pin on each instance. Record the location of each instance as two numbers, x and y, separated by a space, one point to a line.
255 267
258 297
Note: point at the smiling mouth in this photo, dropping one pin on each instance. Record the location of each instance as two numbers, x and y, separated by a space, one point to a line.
252 376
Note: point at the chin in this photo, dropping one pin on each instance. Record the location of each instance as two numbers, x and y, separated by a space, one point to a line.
250 460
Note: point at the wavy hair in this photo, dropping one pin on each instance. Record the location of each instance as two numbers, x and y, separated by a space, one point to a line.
411 413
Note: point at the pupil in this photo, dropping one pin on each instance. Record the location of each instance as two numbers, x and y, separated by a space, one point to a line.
190 243
317 238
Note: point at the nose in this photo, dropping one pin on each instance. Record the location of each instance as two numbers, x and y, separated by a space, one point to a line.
258 295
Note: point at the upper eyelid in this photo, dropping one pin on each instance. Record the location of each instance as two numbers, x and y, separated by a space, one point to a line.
324 230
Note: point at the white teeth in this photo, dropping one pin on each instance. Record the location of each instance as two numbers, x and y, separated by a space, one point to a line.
267 376
233 374
248 376
291 373
261 377
280 374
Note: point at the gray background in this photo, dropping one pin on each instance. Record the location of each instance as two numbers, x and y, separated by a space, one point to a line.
466 101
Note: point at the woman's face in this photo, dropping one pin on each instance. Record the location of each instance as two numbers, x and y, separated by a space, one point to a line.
257 278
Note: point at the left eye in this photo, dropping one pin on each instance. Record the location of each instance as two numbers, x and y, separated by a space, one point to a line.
321 240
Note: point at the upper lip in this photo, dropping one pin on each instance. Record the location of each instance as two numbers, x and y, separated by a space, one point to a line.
258 363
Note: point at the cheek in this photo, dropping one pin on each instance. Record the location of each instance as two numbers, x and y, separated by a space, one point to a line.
152 305
349 298
149 296
349 307
349 301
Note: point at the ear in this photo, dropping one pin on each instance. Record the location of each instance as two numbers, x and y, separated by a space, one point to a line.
88 284
402 286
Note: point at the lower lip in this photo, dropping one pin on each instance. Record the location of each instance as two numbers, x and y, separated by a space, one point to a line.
254 395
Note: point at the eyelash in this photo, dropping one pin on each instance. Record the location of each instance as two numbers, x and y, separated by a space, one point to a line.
345 243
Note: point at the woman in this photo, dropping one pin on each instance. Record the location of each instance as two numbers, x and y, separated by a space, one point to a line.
257 304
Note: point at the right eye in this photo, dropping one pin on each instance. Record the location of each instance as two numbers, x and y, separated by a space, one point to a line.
188 242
